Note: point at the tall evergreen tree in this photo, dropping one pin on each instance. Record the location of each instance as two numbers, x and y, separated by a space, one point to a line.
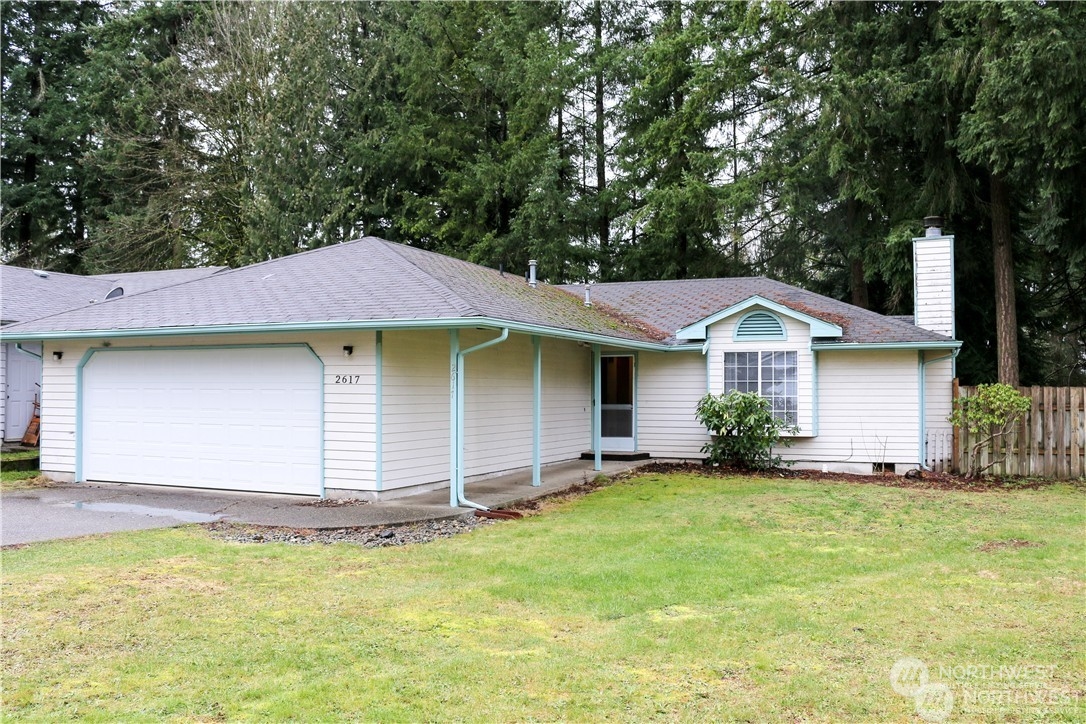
45 132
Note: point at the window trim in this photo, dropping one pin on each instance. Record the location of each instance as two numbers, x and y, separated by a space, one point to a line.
794 418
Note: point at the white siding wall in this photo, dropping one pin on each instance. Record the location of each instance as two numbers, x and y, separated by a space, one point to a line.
349 422
567 400
3 389
938 394
498 403
868 409
933 277
498 432
669 386
415 407
799 341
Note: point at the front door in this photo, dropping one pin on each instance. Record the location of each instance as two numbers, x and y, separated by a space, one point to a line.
22 379
617 405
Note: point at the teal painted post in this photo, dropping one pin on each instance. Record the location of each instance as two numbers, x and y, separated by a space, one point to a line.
454 432
537 410
597 418
379 402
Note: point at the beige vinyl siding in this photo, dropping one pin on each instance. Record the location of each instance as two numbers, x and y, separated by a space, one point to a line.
669 386
933 264
349 410
868 409
567 400
3 389
415 407
798 341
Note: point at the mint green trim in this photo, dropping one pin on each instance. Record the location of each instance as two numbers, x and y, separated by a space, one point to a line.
86 358
28 353
379 403
460 381
537 409
454 433
374 324
819 328
861 346
814 393
782 336
597 418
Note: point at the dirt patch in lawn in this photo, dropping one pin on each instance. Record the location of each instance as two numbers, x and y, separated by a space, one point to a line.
998 545
923 480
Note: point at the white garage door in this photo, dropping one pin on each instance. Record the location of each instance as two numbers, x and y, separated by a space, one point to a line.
235 419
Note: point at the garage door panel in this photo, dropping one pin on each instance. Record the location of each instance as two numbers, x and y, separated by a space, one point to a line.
240 419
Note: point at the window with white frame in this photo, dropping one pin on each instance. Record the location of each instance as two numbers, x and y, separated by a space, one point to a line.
772 375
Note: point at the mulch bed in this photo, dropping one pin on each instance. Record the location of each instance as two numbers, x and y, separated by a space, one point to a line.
923 480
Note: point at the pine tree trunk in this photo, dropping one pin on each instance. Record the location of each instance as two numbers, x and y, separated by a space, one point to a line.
857 282
1003 263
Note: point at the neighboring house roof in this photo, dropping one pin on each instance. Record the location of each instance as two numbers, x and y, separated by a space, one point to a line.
365 280
27 294
672 305
372 280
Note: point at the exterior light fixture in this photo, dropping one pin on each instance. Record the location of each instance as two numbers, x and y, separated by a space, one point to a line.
58 355
348 350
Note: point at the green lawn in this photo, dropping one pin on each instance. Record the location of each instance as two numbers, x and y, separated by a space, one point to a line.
663 597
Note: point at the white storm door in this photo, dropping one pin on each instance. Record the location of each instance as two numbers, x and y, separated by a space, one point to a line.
617 414
22 387
244 418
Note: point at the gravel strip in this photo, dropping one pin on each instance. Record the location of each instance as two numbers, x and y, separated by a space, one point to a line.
375 537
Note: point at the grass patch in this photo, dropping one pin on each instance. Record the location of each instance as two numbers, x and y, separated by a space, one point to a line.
664 597
18 455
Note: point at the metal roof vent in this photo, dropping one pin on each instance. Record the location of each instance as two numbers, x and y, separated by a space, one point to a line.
588 295
759 325
531 273
40 273
933 226
115 292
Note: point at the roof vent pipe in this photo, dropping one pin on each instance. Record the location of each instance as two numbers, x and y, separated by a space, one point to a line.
531 273
933 226
588 295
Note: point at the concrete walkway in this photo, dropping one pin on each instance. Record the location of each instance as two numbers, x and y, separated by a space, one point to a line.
78 509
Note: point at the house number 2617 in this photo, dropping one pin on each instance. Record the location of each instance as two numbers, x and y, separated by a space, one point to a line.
347 379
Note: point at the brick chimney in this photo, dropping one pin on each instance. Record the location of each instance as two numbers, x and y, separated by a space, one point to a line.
933 279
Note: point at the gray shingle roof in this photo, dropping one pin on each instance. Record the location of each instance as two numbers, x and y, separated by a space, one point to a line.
375 280
26 294
363 280
672 305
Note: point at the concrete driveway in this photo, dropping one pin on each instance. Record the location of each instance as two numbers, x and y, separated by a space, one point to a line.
73 510
78 509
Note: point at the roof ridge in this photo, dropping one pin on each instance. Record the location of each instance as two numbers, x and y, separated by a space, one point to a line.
462 306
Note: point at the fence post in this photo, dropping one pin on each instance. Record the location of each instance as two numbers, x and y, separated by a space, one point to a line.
955 433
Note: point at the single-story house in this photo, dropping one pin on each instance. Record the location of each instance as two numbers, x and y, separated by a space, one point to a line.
27 294
377 369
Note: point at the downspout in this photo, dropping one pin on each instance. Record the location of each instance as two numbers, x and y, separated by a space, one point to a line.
459 383
922 366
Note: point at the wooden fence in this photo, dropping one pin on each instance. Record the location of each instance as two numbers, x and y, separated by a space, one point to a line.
1049 441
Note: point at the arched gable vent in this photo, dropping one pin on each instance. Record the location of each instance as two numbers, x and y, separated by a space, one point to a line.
760 325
